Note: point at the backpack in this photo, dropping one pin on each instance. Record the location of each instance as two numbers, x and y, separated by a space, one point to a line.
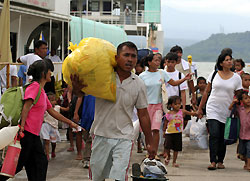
12 104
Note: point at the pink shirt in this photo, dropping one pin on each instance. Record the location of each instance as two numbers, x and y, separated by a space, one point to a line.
35 116
175 122
244 123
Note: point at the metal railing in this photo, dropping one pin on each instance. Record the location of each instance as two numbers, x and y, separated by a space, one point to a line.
117 17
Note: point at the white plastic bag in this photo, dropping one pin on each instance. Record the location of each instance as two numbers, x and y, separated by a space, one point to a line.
199 135
186 131
136 125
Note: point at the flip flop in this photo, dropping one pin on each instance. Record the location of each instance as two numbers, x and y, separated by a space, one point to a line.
70 149
211 167
220 166
175 165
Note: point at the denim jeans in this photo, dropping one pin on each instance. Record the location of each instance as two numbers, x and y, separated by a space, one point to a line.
217 146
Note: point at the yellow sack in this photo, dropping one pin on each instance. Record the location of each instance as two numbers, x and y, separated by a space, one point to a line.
93 60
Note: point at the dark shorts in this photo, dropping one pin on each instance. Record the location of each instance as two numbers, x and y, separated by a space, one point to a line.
173 141
244 148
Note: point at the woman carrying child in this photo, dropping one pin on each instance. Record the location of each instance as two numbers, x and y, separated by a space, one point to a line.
224 84
32 155
173 128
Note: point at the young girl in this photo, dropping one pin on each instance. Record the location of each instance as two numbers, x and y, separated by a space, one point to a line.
32 155
239 64
243 111
49 131
173 128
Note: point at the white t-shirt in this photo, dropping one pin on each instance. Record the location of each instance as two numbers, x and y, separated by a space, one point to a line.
153 84
222 96
54 58
174 90
114 119
13 72
50 120
28 60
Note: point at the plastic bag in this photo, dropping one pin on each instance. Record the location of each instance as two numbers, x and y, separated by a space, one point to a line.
136 125
93 60
186 131
153 169
199 135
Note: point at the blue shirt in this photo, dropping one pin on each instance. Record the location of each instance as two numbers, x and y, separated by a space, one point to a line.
153 84
21 73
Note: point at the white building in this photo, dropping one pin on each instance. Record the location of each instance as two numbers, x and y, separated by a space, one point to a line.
30 18
134 16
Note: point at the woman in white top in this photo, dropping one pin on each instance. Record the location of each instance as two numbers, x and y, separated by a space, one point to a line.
153 81
222 88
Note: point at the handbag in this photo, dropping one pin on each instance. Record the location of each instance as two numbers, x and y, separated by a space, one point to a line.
232 128
164 94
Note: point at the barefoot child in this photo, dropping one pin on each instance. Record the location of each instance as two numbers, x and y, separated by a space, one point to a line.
49 131
173 128
32 155
243 111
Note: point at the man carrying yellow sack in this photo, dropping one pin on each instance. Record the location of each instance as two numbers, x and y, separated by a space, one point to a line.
113 127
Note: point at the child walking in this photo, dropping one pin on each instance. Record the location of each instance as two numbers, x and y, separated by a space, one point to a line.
173 128
243 110
32 155
49 131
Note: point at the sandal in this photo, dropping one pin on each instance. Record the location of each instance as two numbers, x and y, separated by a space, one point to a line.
175 165
70 149
166 161
220 166
212 166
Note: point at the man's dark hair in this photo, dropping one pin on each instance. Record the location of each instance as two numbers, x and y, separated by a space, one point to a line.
39 43
128 44
176 49
200 79
171 56
220 59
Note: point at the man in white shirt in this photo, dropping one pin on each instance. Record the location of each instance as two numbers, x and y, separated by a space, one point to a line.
54 57
184 67
40 53
112 126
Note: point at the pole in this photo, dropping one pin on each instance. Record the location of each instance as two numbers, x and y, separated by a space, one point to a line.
19 35
50 32
62 40
8 75
112 7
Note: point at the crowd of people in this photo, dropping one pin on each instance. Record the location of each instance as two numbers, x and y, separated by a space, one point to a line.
104 130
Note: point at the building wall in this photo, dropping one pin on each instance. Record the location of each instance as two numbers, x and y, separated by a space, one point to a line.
62 7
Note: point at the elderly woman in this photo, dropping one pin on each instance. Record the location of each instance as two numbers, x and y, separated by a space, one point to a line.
153 80
223 87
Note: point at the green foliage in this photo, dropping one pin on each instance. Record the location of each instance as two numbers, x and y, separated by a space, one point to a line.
208 50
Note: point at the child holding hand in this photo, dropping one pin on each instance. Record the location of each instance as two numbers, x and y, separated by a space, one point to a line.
173 128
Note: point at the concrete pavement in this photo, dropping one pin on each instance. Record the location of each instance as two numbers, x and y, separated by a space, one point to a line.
193 166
